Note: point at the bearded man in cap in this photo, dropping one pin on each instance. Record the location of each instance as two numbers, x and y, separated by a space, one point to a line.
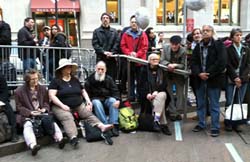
173 56
105 41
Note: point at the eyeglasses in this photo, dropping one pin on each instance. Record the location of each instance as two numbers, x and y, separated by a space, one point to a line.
206 30
154 59
100 69
54 29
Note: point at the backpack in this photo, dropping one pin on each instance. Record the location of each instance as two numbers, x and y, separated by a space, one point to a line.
5 128
128 120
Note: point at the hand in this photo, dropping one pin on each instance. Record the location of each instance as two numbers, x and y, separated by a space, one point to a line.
35 113
116 104
149 97
171 67
66 107
89 107
108 54
42 110
237 81
133 54
204 76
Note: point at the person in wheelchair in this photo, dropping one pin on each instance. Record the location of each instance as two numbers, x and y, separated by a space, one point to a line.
155 97
105 95
32 104
69 96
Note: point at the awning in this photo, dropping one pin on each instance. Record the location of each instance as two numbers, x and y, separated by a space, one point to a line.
49 5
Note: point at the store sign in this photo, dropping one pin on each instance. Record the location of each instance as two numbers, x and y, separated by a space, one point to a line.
53 10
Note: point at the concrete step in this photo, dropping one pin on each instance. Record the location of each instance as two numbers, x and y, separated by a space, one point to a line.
9 148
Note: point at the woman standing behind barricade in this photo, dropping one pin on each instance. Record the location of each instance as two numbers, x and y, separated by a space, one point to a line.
192 40
238 67
58 39
68 96
32 103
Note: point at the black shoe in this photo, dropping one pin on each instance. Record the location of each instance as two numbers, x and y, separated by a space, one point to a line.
62 143
215 133
228 128
107 138
197 128
35 149
237 128
178 117
15 138
165 130
156 127
115 130
74 142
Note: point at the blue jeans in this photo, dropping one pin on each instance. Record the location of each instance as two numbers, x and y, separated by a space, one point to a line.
29 63
99 108
213 96
229 93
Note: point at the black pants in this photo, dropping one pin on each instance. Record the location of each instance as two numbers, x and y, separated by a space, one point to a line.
11 116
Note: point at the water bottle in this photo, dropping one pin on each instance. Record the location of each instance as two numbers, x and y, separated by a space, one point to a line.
81 125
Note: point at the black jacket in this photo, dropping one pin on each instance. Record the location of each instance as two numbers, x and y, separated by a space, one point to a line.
59 40
149 83
101 90
215 64
105 39
25 38
5 39
233 63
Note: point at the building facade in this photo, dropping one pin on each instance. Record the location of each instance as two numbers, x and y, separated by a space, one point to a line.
79 18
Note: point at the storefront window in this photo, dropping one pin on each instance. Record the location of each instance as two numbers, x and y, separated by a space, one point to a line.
113 8
226 11
66 22
169 11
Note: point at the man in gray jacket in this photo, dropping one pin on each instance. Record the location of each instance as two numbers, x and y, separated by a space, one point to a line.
173 56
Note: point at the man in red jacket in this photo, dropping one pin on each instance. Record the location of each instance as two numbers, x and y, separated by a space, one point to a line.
134 43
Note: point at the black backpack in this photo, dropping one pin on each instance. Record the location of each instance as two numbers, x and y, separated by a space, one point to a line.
5 128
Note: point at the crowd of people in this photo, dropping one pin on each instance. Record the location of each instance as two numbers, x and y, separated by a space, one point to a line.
215 65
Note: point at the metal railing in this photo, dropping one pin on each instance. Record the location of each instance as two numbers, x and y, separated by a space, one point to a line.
13 61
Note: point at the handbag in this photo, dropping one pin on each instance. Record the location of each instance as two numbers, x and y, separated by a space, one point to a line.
236 114
92 133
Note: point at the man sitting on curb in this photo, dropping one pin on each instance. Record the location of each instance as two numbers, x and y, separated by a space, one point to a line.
104 94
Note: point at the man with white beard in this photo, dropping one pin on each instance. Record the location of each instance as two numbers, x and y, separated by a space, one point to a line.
105 96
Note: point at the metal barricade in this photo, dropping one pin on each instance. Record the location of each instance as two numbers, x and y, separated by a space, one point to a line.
44 59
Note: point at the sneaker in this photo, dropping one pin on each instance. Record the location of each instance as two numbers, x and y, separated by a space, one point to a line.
165 130
62 143
35 149
248 122
107 138
215 133
197 128
157 127
74 142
